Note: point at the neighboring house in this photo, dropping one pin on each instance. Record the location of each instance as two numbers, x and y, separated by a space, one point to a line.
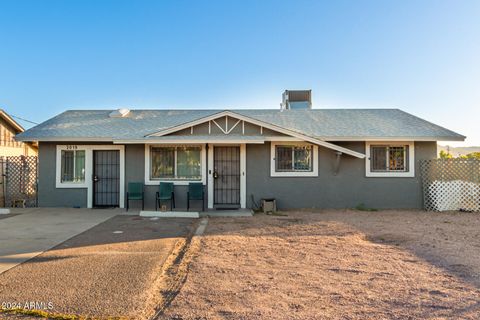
303 157
9 128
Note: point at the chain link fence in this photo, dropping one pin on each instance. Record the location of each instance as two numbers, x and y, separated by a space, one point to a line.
451 184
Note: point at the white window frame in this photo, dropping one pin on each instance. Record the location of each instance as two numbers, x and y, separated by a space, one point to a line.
389 174
315 160
70 184
180 182
88 183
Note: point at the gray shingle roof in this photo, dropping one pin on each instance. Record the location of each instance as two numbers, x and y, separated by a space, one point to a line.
325 124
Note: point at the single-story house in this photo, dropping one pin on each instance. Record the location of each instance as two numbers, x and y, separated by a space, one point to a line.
301 156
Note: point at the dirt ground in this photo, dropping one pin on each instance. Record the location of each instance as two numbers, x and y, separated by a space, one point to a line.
108 270
330 264
335 264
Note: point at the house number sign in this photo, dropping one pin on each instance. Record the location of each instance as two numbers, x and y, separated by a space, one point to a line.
72 147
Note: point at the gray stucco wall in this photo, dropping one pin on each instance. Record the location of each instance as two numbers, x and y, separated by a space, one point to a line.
135 172
347 189
48 194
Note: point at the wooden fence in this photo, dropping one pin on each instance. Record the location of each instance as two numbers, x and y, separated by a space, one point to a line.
451 184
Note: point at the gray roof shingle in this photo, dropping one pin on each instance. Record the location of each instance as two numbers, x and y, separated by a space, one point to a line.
325 124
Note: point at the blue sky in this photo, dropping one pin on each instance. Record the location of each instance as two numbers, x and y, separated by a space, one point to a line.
420 56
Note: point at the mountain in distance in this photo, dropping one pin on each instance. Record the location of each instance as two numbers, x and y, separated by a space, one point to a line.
457 151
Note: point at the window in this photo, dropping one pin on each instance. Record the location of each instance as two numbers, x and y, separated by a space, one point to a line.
182 163
390 160
294 159
72 168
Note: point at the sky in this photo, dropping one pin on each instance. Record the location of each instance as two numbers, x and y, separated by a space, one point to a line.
420 56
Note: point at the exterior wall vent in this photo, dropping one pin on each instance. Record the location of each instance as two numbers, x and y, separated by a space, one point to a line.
119 113
296 99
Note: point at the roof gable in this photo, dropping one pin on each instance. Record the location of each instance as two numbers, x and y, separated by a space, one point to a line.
11 122
267 125
226 126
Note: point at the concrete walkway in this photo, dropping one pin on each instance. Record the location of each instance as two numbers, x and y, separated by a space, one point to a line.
34 231
110 271
227 213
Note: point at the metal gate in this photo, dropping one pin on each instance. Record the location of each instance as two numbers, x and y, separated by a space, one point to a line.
226 165
106 178
19 181
451 184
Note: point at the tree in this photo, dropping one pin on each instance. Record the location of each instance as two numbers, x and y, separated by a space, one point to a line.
445 155
474 155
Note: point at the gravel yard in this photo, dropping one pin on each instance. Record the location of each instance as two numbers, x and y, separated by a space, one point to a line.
335 264
108 270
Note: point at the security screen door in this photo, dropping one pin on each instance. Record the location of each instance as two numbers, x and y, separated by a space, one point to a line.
106 178
226 165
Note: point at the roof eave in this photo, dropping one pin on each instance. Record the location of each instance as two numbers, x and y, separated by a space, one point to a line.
159 138
64 139
437 138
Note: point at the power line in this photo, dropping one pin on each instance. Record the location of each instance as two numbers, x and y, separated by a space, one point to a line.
11 115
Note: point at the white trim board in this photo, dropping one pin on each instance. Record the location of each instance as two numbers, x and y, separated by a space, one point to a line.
262 124
332 139
395 139
214 140
193 141
210 177
243 175
391 174
315 161
88 183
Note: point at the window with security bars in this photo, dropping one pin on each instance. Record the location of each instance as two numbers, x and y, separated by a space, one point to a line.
389 158
293 158
182 163
72 166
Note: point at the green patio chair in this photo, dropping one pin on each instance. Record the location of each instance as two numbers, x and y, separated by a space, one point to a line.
165 193
135 192
195 192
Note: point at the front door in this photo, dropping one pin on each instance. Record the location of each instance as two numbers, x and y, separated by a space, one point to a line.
106 178
226 174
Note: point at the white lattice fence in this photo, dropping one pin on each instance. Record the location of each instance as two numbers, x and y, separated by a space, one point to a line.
451 184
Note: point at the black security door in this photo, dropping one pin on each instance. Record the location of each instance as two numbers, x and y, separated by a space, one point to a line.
106 178
226 176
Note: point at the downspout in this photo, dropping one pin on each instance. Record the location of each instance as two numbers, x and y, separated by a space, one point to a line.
336 166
